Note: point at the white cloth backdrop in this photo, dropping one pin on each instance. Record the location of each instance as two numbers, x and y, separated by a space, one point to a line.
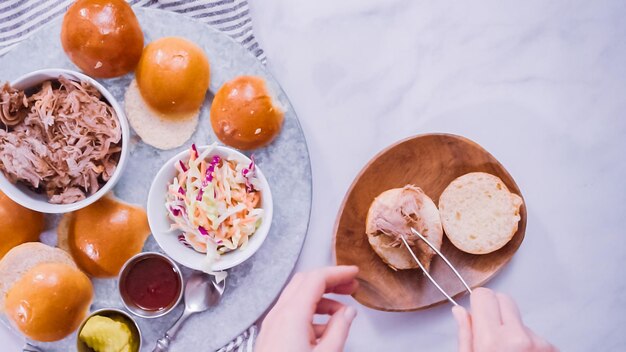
20 18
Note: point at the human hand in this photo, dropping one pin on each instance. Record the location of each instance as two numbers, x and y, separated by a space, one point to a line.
289 325
495 325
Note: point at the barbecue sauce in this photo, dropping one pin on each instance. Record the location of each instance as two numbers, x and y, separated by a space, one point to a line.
152 284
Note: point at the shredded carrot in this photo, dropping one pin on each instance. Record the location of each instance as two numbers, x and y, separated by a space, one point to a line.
204 222
230 233
255 199
221 232
202 168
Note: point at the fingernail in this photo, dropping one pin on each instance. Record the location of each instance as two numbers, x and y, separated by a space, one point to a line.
349 314
457 312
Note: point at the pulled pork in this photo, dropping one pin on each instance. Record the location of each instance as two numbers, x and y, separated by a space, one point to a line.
12 104
403 212
62 141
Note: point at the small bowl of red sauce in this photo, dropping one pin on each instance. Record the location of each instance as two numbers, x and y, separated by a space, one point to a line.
150 284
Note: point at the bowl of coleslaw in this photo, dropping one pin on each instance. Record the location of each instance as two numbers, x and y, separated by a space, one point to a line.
210 208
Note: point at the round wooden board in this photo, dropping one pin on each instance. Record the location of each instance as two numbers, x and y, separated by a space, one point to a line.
430 161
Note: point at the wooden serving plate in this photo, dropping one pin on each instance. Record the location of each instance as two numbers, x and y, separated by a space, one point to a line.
430 161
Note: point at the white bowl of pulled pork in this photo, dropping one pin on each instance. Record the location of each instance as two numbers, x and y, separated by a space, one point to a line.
63 140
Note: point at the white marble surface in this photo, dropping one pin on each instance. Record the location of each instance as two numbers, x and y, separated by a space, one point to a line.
540 84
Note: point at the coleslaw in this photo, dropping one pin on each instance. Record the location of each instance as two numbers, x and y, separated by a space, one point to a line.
214 202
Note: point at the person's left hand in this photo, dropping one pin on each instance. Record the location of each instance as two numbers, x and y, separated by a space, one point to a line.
289 325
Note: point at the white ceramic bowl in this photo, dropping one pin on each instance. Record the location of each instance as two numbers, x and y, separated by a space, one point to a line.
168 240
39 202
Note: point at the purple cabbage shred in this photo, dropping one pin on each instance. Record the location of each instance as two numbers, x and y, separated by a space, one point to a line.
182 166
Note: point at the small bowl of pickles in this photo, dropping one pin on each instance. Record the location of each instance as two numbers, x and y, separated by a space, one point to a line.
109 329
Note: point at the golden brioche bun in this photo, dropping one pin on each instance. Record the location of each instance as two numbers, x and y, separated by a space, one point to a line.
102 37
19 224
49 301
22 258
244 115
173 75
104 235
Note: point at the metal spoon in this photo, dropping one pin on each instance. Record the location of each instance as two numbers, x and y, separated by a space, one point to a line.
30 348
201 292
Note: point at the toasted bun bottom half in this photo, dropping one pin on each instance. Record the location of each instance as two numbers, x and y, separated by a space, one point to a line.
19 225
49 301
479 214
104 235
156 129
398 258
24 257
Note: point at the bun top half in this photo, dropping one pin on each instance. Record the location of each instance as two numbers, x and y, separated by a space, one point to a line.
42 292
19 224
104 235
49 301
245 115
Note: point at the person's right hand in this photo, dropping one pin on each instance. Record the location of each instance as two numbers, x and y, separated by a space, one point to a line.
495 325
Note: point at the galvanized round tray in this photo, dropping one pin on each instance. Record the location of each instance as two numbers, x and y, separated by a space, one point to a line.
251 286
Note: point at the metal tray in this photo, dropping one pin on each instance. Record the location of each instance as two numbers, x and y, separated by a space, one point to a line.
253 285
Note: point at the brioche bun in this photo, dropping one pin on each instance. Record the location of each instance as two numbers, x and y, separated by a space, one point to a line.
157 129
19 225
102 37
389 206
104 235
24 257
244 115
163 102
173 75
479 214
49 301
